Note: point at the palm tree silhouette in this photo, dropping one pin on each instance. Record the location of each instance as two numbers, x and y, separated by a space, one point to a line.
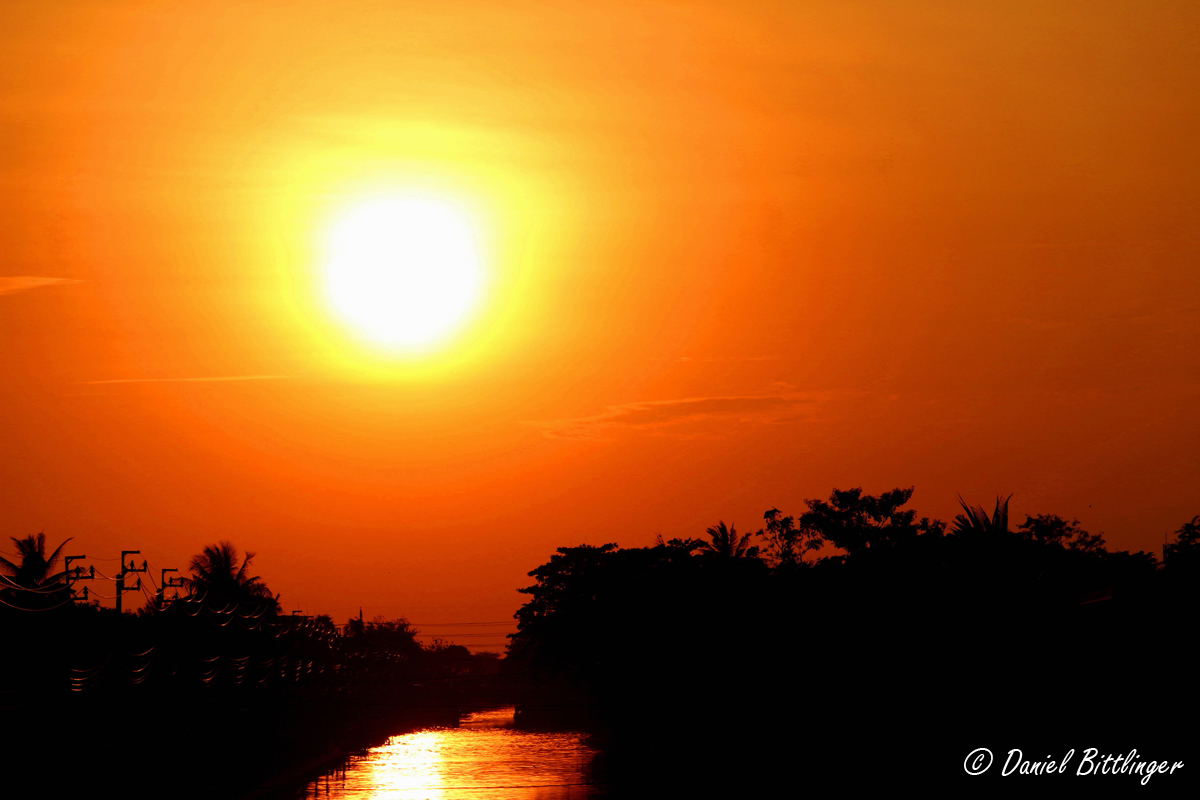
725 542
35 568
216 571
976 520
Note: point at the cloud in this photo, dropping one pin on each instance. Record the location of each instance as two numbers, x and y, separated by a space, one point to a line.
715 359
216 379
657 416
727 358
20 283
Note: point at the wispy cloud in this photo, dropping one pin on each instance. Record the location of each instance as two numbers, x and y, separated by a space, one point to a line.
21 283
714 359
215 379
660 416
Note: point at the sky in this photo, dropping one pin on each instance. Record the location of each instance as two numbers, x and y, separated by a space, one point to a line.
737 254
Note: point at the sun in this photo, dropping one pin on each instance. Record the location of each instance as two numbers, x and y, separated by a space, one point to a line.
404 271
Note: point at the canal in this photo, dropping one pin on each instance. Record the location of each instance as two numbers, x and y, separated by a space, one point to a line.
484 757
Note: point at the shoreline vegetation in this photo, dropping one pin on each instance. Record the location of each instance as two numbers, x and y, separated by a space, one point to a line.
214 693
852 643
855 644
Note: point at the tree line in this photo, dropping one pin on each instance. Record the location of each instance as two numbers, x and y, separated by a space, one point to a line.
856 630
214 682
854 626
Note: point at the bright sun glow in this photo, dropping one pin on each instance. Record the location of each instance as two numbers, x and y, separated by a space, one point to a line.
403 270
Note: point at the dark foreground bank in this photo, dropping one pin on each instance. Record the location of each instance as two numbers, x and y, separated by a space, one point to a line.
709 666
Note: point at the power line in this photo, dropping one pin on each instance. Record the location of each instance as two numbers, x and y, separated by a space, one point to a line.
48 608
458 624
45 588
458 635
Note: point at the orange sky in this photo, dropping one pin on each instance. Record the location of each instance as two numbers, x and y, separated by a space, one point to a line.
740 253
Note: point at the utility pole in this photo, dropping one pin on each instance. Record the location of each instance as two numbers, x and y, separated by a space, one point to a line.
121 575
78 576
165 584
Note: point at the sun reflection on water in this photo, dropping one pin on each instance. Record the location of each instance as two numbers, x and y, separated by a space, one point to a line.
484 757
407 766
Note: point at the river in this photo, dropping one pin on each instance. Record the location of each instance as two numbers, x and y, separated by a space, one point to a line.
484 757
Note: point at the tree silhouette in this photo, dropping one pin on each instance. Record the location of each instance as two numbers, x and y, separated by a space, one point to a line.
35 568
787 542
216 571
1185 552
976 520
858 522
726 543
391 642
1053 529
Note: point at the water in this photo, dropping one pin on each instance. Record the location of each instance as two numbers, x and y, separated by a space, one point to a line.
485 757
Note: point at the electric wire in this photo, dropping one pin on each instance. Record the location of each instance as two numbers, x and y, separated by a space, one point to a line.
44 590
48 608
